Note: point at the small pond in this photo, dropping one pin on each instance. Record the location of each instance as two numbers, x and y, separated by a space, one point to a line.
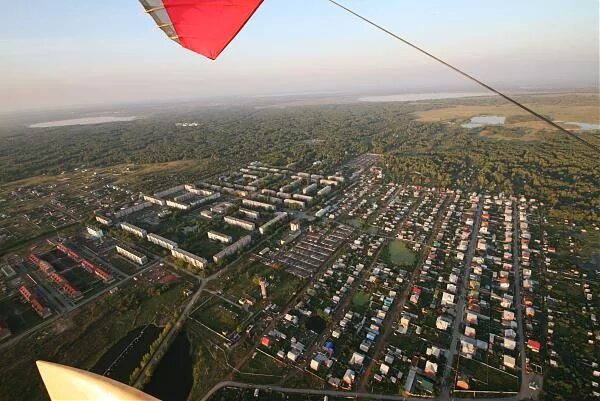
480 121
400 254
316 323
172 379
585 126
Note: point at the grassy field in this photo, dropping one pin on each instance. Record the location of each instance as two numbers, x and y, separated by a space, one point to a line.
220 315
360 299
21 315
485 378
590 245
265 365
209 364
282 285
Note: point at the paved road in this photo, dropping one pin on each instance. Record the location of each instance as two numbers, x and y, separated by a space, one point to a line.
460 306
333 393
525 391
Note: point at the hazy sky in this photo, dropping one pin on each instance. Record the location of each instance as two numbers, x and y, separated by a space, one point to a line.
80 52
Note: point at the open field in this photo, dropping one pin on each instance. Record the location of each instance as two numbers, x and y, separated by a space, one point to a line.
487 378
590 246
21 316
220 315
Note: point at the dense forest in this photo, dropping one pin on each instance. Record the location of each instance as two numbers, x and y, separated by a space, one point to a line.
549 166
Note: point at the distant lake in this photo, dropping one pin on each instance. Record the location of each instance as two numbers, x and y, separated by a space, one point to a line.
83 121
480 121
585 126
411 97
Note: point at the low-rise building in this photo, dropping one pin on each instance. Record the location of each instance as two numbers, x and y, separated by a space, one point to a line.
131 254
207 214
140 232
94 232
233 248
324 191
131 209
253 214
309 189
194 260
304 198
443 322
169 191
278 217
162 241
103 220
234 221
224 238
178 205
155 200
261 205
293 203
221 207
328 182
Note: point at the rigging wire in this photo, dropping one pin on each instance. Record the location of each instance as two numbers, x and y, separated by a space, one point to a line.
472 78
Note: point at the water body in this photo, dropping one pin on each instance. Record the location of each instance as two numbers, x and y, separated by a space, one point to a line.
83 121
316 324
172 380
122 358
480 121
585 126
411 97
400 254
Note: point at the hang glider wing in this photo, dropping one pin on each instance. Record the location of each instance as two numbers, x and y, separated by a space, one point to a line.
65 383
203 26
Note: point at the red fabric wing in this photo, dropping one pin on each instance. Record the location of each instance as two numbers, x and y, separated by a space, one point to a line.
207 26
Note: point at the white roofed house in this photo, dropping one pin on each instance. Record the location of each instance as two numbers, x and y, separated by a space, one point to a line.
471 318
293 354
447 298
357 359
431 368
508 315
468 346
509 361
443 322
349 377
509 343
